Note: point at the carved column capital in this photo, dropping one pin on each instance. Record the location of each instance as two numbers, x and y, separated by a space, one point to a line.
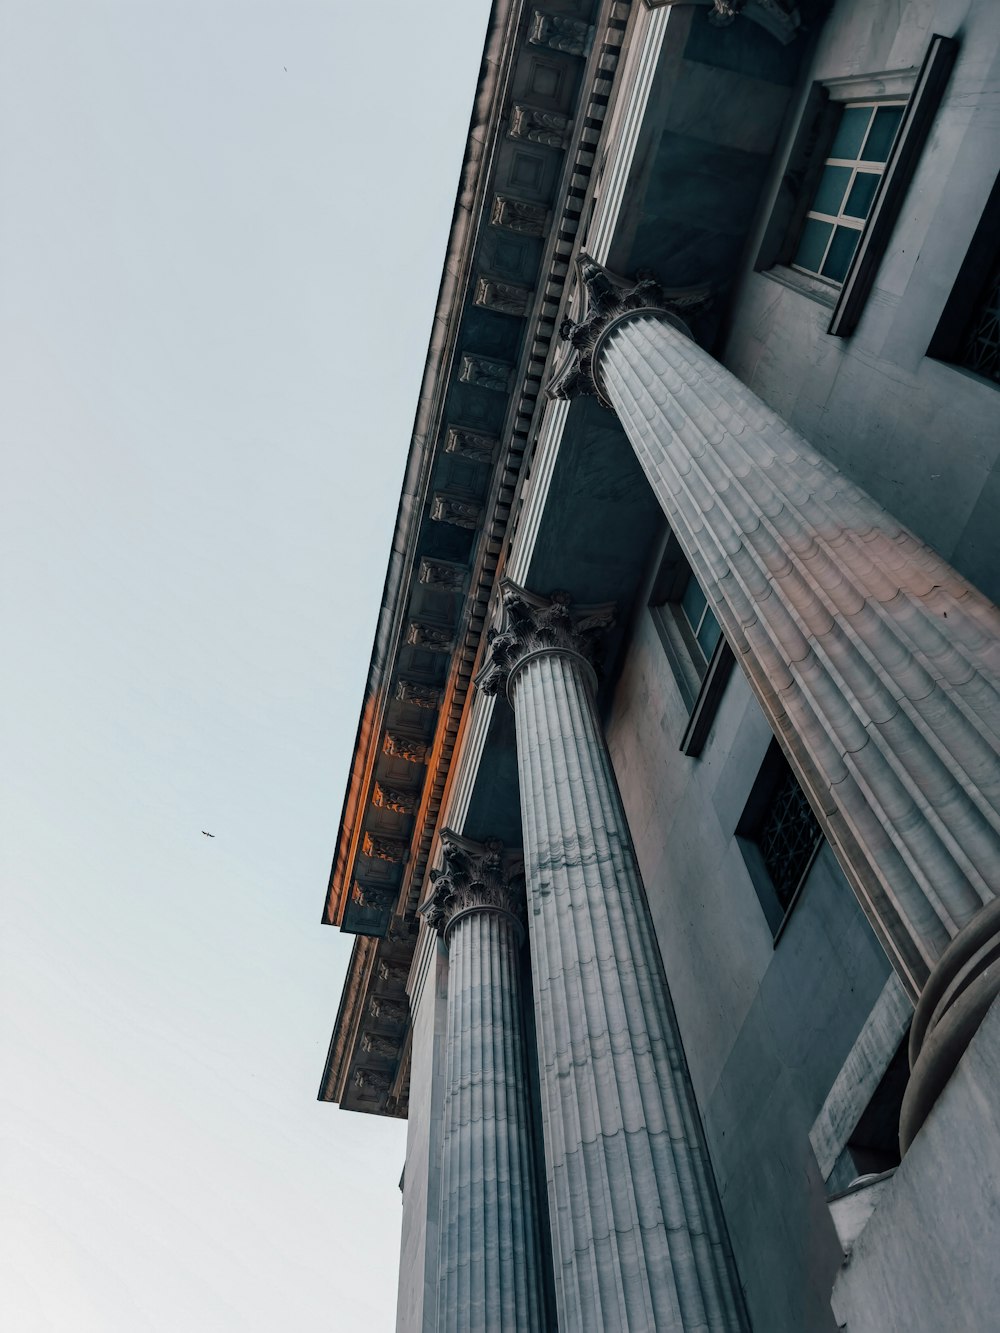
607 300
476 877
531 624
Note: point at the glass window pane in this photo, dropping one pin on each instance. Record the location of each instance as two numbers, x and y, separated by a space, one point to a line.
883 132
859 201
693 602
841 253
832 188
709 634
851 134
812 246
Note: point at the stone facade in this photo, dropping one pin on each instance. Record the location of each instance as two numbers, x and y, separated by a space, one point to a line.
667 1016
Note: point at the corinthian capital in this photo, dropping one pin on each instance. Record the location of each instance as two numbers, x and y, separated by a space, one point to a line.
476 876
606 298
532 624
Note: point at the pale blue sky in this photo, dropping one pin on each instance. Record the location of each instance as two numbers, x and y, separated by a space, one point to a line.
216 287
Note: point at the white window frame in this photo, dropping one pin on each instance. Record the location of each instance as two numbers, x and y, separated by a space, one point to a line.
857 166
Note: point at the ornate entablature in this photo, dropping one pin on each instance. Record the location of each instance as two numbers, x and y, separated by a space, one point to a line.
391 798
506 297
559 32
530 624
431 637
519 215
490 388
405 747
471 444
381 848
537 125
443 574
393 1012
457 510
485 372
418 694
475 877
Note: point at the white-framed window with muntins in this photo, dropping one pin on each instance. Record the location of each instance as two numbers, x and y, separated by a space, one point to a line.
705 629
847 188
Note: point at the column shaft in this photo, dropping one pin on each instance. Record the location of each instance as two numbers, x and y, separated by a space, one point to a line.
490 1267
638 1237
877 664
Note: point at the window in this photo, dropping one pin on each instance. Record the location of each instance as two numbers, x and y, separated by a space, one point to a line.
847 187
692 637
779 836
968 333
856 151
704 631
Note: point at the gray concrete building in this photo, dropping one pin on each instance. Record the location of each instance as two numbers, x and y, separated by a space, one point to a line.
671 840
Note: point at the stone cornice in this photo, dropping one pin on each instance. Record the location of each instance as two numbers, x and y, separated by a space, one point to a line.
473 211
456 276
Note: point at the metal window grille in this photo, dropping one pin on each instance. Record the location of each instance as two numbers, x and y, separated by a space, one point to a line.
787 837
981 351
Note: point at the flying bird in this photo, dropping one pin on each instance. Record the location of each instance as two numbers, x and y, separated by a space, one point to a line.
208 835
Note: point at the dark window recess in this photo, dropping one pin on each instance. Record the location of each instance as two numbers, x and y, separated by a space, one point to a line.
692 638
968 333
981 351
779 836
787 838
874 1143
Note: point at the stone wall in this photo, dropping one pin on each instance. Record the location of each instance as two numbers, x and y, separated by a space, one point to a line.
766 1028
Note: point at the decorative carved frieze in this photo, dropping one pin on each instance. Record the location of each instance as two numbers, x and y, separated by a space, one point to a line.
532 624
405 747
519 215
388 1011
374 897
372 1080
443 574
606 299
376 1044
390 972
421 696
391 798
380 848
471 444
485 373
456 510
560 33
505 297
535 125
432 637
475 876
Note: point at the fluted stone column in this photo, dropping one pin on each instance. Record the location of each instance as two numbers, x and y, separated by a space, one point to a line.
877 665
637 1231
490 1256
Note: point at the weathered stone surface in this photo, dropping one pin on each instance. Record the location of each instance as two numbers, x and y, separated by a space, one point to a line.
875 663
637 1231
490 1273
